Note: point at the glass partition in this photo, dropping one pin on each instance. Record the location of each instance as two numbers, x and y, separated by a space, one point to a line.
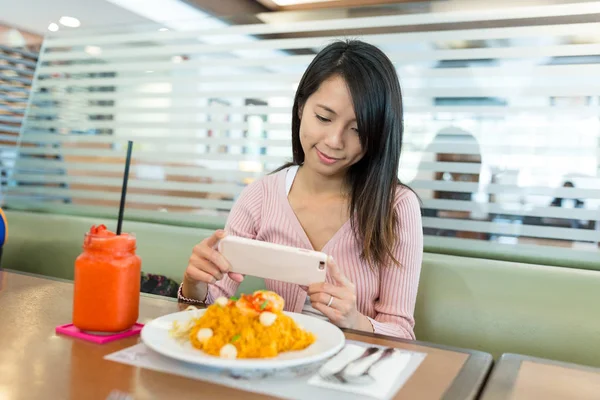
502 130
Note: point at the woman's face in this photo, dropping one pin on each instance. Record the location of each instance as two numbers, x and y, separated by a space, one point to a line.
328 130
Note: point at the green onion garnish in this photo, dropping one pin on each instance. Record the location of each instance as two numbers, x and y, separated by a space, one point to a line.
233 298
264 305
235 338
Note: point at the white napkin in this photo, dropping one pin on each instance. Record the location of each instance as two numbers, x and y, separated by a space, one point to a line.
385 373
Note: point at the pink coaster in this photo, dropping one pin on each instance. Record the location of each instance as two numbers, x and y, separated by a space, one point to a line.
71 330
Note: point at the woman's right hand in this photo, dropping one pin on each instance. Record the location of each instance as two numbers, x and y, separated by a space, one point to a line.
207 266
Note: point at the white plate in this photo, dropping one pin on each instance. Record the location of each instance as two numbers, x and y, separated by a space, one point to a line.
329 340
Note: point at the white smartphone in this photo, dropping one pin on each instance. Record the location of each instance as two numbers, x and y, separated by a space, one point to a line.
274 261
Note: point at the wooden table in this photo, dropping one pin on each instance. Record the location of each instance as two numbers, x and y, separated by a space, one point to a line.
519 377
35 363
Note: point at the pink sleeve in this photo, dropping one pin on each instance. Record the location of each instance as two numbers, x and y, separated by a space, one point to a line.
244 221
398 285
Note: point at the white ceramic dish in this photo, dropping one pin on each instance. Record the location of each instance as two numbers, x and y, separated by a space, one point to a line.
329 340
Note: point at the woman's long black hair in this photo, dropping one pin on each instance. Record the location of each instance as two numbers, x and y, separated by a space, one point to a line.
377 98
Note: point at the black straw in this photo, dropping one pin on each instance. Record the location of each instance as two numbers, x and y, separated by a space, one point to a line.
124 188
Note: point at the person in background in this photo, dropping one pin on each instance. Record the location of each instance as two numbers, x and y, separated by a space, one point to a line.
569 203
340 195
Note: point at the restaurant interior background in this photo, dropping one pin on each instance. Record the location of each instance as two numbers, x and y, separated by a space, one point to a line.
502 107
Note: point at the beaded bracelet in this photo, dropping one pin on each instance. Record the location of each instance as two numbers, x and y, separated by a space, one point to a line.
183 299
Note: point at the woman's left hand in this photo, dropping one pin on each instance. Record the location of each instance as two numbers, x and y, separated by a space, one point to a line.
337 301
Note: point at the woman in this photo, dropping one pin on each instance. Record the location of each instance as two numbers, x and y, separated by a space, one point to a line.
341 195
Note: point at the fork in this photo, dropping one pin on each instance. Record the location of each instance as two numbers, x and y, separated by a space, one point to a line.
338 377
365 376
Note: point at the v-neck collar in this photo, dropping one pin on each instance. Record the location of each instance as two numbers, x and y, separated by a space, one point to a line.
291 215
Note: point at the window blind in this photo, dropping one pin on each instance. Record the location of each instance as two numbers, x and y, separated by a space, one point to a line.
502 130
16 75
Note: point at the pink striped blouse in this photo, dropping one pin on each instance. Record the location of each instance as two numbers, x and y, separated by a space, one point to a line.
386 295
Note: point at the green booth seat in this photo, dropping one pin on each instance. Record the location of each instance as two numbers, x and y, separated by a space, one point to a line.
48 244
506 307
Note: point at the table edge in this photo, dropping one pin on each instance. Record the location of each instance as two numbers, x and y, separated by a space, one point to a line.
33 275
415 342
522 357
470 381
473 374
62 280
502 380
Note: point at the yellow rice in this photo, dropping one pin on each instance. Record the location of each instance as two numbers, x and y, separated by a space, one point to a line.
251 338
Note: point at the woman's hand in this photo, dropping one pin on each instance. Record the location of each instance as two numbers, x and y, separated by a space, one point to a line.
338 301
206 266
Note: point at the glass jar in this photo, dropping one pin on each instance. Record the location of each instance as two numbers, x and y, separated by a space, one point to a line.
107 283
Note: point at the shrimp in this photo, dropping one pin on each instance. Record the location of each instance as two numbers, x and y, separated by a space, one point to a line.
275 301
259 301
